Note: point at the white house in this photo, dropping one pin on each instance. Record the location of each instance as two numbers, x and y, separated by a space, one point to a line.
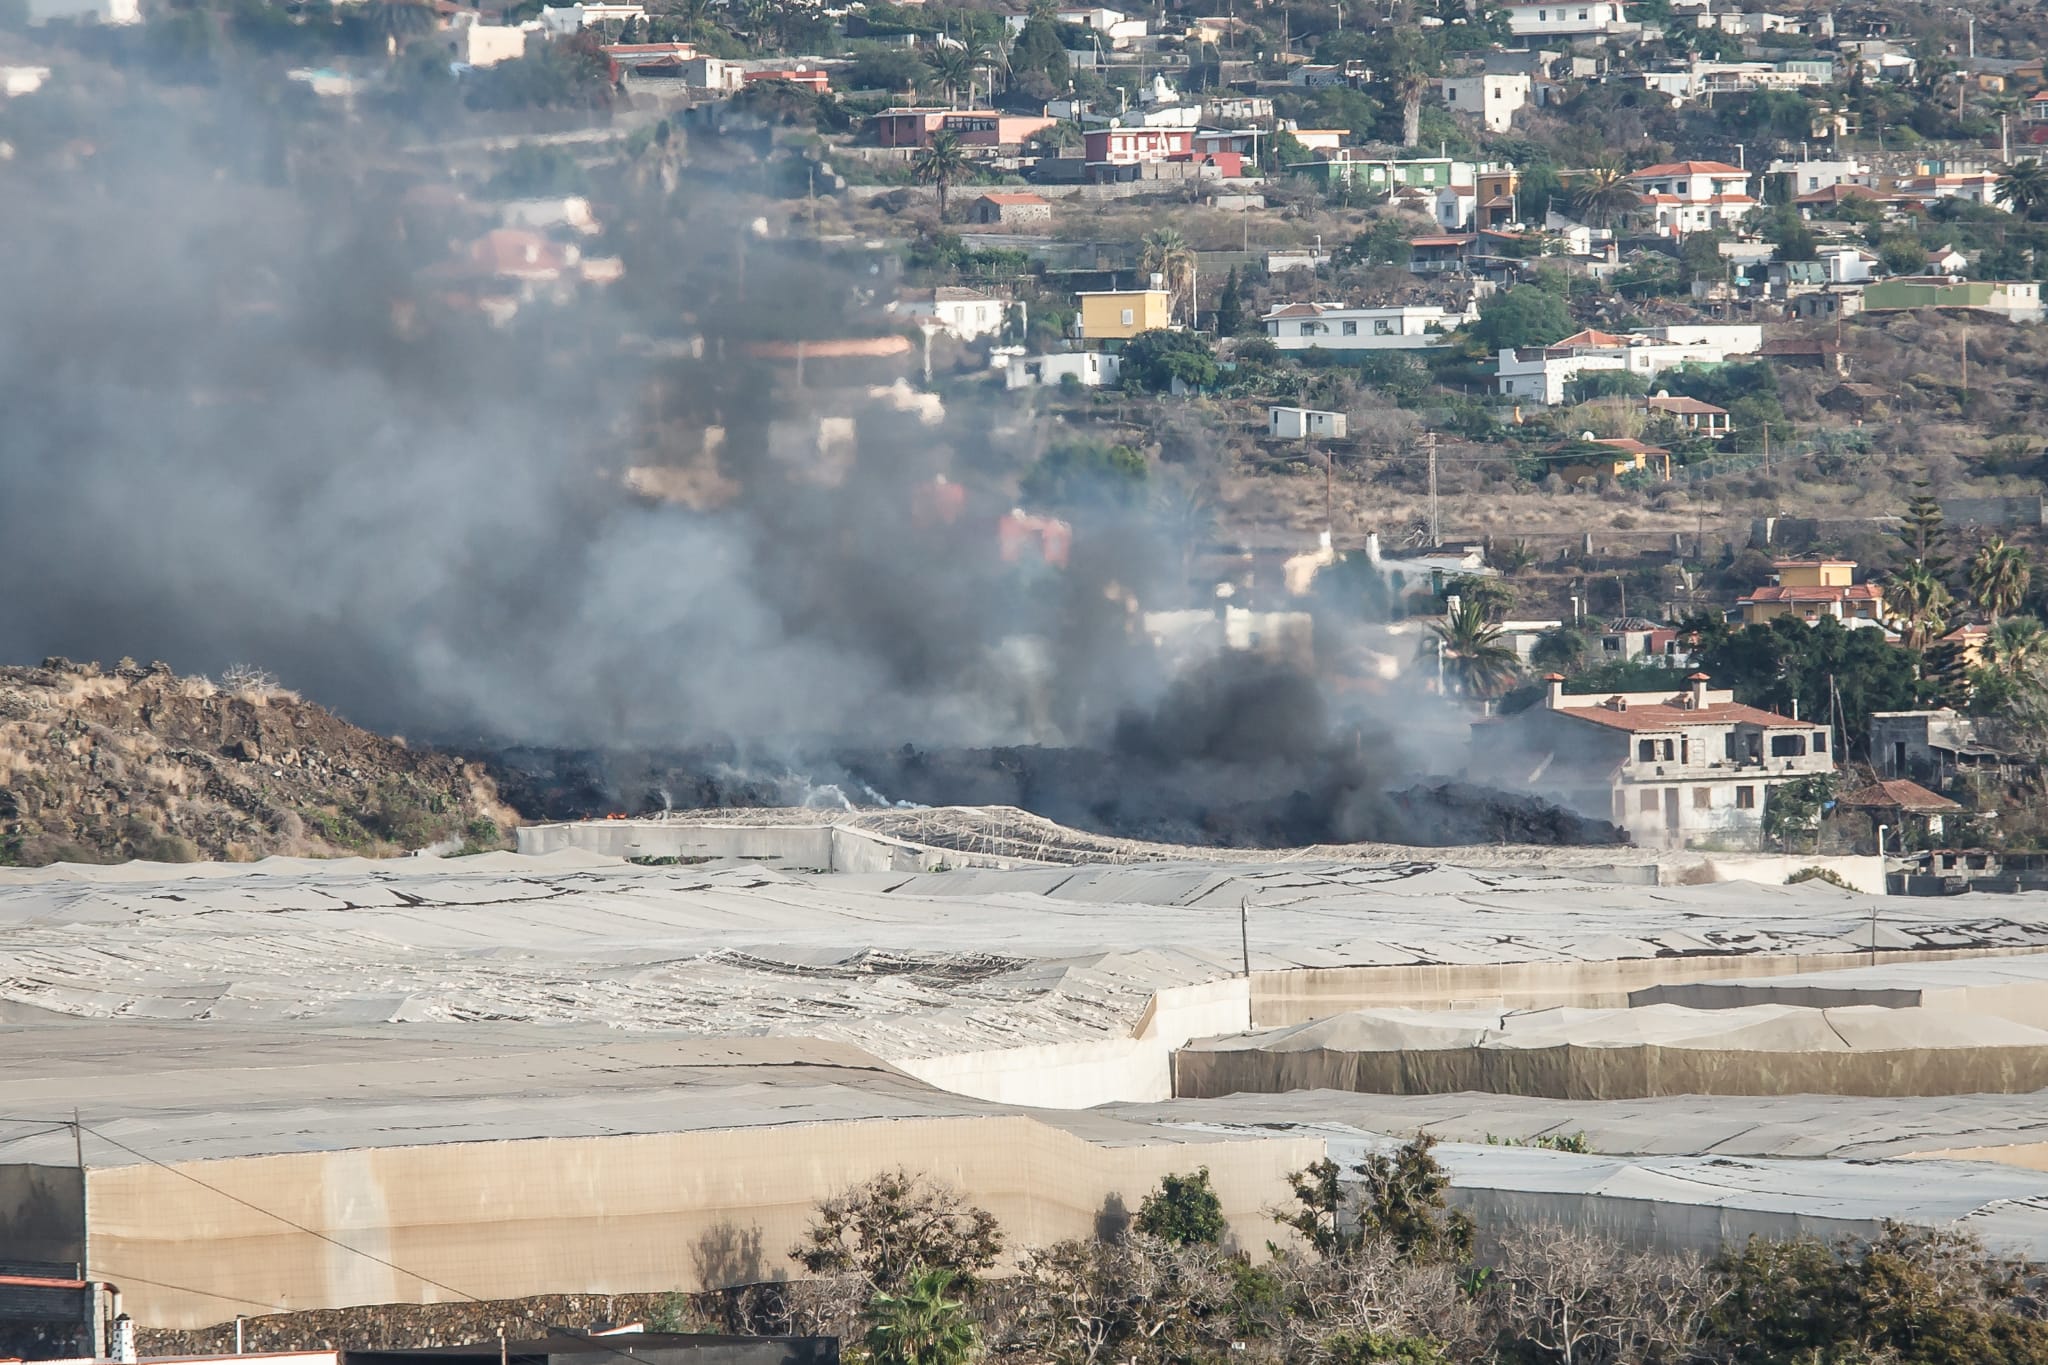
1669 767
474 43
1297 424
1811 175
568 211
1090 369
1694 196
1492 99
566 19
964 313
1579 18
87 11
1541 374
1118 29
1847 264
1333 327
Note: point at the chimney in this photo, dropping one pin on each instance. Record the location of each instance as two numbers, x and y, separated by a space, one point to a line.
123 1346
1372 547
1698 701
1554 698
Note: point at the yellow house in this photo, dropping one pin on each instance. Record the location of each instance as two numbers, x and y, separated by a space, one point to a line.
1812 588
1629 456
1120 314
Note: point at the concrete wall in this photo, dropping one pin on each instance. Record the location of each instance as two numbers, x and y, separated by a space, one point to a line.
821 847
1773 869
1081 1075
620 1214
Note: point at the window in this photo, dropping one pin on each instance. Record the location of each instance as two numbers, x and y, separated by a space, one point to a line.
1670 751
1702 798
1542 16
1582 14
1646 751
1788 746
1308 329
1383 327
1745 798
1647 802
1450 95
1351 329
1130 317
1820 741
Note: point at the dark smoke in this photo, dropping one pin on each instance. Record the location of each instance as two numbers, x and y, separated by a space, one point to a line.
241 427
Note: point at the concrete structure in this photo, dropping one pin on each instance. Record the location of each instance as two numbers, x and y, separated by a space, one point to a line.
1333 327
1136 146
1005 208
1698 418
1090 369
563 20
1493 99
571 1074
1670 768
1300 424
1544 373
1577 19
2013 300
966 314
474 43
1693 196
1117 315
1812 588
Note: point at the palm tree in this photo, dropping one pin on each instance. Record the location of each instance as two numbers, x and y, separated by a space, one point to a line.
941 163
2023 187
2016 649
1168 255
1602 196
1476 661
954 71
1409 87
1919 602
921 1325
398 22
1999 575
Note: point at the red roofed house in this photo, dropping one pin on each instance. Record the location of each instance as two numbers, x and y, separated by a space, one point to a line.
1670 768
810 78
1812 588
1693 196
1701 419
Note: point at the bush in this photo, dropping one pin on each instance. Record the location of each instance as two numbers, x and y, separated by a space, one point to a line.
1183 1210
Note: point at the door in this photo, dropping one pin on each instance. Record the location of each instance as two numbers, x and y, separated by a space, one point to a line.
1671 816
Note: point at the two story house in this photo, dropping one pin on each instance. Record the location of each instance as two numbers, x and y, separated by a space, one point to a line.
1693 196
1670 768
1812 588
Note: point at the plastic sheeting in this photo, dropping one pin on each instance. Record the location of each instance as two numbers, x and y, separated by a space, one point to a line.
1621 1054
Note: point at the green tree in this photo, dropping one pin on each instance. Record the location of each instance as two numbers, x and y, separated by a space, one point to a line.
1086 473
1920 604
1792 810
1184 1210
1564 649
1902 255
1153 360
922 1325
1999 577
1386 242
1603 197
1038 47
1477 660
943 164
1526 315
1922 530
1788 664
954 69
1230 319
2023 188
1404 1197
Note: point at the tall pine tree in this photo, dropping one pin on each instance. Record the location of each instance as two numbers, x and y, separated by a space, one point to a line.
1922 533
1230 307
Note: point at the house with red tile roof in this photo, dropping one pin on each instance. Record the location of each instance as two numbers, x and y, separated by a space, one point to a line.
1809 589
1671 768
1693 196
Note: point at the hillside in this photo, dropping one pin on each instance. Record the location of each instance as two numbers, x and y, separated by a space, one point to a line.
101 765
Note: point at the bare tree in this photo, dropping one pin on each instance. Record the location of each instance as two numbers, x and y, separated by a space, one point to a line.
1593 1301
895 1224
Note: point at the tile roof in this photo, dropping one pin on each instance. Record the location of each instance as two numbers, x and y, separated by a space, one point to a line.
1898 794
999 197
1845 592
1687 168
1665 716
1682 404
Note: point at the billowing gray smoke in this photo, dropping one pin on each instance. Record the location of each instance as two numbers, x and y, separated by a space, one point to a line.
236 427
234 432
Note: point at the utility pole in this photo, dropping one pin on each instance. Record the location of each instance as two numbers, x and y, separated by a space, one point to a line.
1966 362
1436 535
1767 447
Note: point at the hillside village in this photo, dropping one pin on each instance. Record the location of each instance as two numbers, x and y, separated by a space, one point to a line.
977 682
1448 346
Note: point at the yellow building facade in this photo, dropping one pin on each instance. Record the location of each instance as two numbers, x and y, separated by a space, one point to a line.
1120 314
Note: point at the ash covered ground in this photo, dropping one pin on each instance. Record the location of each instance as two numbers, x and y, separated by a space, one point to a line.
1239 755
